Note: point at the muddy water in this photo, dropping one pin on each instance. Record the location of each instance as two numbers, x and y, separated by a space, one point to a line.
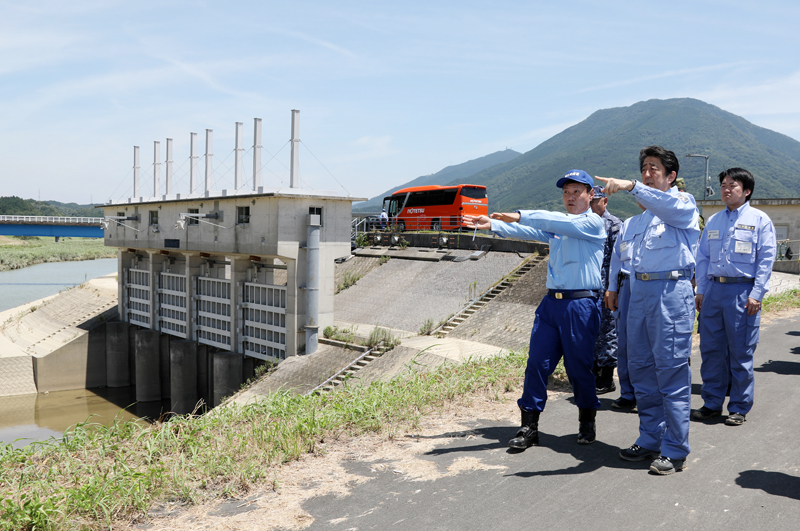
39 417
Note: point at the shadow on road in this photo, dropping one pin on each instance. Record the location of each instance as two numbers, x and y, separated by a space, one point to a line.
775 483
591 456
787 368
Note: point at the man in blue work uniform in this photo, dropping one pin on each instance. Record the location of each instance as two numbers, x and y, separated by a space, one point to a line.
734 263
617 299
662 241
568 318
605 348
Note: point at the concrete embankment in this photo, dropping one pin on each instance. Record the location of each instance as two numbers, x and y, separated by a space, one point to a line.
56 343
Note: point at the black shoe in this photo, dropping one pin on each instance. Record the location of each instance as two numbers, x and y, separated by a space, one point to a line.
705 413
623 403
586 429
735 419
604 380
637 453
528 434
664 465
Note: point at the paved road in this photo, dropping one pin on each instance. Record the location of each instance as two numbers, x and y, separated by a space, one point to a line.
744 477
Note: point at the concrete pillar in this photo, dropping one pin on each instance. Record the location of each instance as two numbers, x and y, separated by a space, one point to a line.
131 349
227 375
248 368
293 309
164 364
239 274
203 374
191 270
117 366
148 365
183 376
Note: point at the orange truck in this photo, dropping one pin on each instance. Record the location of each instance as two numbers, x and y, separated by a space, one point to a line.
435 207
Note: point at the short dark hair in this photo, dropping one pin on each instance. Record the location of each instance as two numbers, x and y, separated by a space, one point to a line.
667 158
743 176
570 181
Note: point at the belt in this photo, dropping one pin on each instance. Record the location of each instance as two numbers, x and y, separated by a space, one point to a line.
734 280
573 293
662 275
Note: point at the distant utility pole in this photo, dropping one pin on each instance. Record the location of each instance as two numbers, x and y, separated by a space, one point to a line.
707 190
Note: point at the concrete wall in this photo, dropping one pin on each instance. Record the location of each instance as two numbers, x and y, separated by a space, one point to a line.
79 364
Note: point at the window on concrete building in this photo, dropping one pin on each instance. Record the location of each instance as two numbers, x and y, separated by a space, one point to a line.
193 220
242 215
781 232
120 214
316 211
154 217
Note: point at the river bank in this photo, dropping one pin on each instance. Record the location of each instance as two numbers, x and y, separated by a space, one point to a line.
16 253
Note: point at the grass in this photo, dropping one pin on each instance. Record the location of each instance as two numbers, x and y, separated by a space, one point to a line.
781 301
348 279
103 477
16 253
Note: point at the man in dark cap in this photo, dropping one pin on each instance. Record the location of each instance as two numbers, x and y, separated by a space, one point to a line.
605 349
568 318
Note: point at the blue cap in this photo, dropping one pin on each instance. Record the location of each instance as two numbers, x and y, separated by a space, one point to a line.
579 176
599 192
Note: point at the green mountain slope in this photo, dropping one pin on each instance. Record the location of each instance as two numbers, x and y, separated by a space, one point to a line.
456 174
15 206
607 143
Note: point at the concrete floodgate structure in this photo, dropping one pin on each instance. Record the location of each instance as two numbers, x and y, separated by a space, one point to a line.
220 279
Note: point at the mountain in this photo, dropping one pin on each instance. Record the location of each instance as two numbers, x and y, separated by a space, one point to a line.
457 174
607 143
15 206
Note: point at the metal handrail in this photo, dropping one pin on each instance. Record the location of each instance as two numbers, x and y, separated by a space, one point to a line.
52 219
362 356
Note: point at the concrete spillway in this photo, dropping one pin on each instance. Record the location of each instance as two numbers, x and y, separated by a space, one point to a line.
50 339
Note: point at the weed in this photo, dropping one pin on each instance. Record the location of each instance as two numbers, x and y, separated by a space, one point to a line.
361 240
379 335
348 279
427 327
383 259
346 335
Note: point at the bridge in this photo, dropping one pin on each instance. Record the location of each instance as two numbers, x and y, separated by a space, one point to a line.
57 226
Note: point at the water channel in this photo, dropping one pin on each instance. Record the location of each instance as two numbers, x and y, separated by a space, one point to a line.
39 417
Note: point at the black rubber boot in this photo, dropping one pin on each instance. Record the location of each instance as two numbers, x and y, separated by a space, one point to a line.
586 433
528 434
604 380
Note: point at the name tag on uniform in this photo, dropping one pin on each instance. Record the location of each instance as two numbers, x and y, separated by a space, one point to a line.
623 246
713 235
743 247
660 228
746 227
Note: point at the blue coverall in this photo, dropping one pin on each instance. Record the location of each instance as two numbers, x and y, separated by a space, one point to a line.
661 244
563 327
734 262
619 282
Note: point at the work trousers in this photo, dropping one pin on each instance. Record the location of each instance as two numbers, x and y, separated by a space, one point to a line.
660 322
568 328
623 301
728 339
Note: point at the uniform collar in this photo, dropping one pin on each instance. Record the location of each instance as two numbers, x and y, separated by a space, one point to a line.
741 210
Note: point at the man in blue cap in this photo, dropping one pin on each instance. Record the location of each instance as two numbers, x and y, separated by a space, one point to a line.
661 242
734 264
568 318
605 349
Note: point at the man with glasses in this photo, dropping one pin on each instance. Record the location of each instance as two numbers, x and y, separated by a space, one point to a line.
734 264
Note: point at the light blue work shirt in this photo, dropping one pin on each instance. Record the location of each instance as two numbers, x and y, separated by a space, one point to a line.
664 237
617 264
576 245
739 243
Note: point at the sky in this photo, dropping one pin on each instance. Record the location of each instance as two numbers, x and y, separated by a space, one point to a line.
387 91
